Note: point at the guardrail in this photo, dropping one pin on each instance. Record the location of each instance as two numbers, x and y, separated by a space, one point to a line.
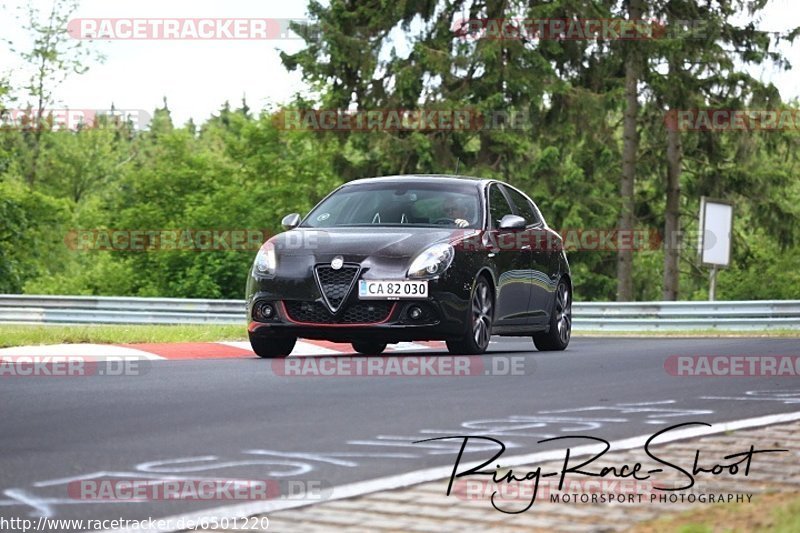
588 316
665 316
23 309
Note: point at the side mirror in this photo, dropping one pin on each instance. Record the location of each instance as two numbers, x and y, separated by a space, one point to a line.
290 221
512 222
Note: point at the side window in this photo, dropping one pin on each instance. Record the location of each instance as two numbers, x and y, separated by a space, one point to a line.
537 214
524 207
498 206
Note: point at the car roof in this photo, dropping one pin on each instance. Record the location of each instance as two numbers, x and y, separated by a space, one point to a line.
422 178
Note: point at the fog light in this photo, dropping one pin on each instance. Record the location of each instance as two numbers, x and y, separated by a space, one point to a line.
415 313
264 311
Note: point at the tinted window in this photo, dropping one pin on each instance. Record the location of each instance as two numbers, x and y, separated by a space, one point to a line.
498 206
524 207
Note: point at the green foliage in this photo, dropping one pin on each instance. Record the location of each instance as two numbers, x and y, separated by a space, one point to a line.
240 170
31 228
237 173
243 172
571 95
52 56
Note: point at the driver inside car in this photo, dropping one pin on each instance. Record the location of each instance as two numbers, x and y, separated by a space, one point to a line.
456 210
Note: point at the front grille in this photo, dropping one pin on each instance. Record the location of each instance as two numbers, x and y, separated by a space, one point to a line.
335 285
355 313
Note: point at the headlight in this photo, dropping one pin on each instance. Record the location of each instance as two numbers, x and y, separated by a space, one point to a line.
432 262
266 260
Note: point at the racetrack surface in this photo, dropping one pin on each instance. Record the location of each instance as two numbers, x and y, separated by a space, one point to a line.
238 418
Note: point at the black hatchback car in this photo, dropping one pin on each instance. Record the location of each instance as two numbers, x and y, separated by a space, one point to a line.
405 258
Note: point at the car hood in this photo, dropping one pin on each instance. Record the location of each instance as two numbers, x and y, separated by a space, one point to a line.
356 244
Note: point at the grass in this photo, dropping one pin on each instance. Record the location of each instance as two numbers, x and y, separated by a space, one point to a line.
773 513
22 335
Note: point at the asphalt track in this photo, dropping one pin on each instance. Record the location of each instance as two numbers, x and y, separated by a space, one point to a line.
237 418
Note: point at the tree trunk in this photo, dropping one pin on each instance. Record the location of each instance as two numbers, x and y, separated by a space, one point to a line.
630 147
672 228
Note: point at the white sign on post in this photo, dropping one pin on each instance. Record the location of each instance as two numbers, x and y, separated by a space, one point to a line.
716 226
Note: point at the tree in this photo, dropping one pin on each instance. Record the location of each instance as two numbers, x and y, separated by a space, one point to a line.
564 90
630 140
54 55
31 226
700 67
76 164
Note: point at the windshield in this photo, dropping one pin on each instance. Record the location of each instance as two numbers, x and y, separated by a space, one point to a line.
394 204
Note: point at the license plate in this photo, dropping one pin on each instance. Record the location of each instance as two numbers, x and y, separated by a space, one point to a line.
391 290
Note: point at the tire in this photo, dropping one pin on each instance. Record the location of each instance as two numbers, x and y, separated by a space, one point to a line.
369 348
268 348
480 320
557 338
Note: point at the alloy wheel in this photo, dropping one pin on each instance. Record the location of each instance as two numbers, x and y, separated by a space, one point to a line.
482 314
564 313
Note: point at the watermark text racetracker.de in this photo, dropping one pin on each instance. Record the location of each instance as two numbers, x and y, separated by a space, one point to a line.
129 490
733 365
67 119
586 491
557 29
187 29
206 489
734 120
403 366
580 29
252 239
181 239
582 240
57 366
605 490
569 239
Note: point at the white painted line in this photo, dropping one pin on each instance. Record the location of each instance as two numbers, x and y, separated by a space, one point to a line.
443 472
95 352
306 348
100 352
407 347
301 348
244 345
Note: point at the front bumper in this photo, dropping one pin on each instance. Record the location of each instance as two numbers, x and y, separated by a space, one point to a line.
444 315
441 320
294 286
